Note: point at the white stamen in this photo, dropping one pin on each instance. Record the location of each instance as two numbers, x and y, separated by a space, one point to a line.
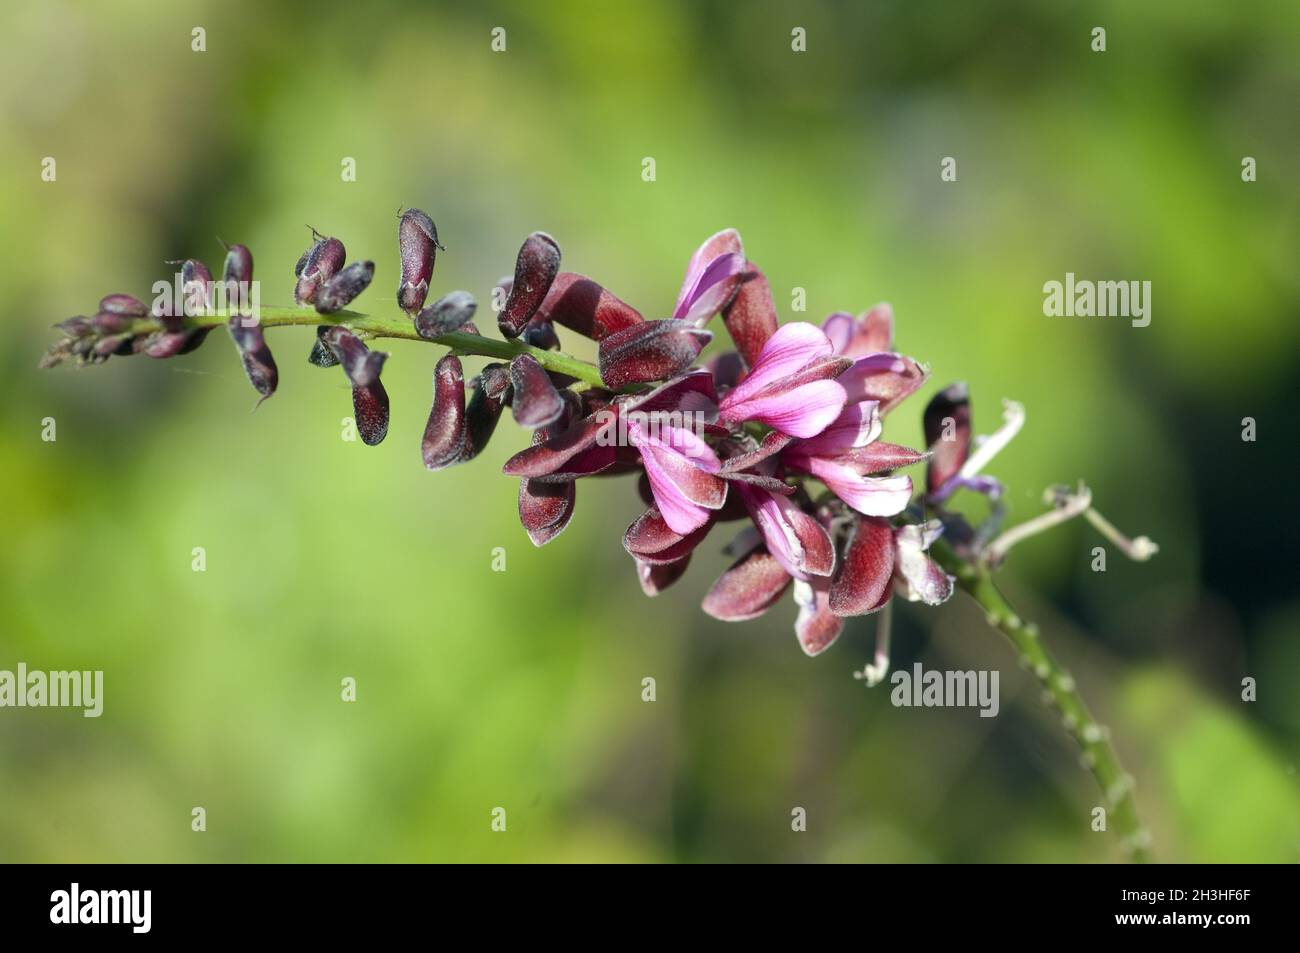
875 673
1013 418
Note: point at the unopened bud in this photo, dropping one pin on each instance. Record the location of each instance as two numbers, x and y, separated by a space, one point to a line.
650 351
317 265
417 239
535 270
449 313
259 365
337 293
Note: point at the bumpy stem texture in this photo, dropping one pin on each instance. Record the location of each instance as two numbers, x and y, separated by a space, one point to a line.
1098 755
401 326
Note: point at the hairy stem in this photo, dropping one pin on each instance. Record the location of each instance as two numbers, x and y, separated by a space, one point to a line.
1098 755
402 327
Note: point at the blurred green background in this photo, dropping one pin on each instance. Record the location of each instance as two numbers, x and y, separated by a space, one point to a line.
522 688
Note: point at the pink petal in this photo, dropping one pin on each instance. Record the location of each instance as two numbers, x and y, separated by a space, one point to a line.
856 426
884 377
920 577
801 412
790 349
795 539
714 290
725 242
872 496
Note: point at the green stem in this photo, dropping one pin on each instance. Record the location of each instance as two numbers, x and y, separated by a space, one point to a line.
403 328
1098 755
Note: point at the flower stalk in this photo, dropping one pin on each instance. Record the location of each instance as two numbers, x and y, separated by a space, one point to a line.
368 326
1097 753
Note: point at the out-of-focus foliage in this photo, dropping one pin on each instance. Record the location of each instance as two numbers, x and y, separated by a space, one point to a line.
522 689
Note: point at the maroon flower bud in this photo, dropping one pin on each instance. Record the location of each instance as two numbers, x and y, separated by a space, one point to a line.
947 434
535 270
239 264
541 334
316 266
489 393
653 541
417 237
579 303
259 365
536 402
650 351
751 316
165 344
545 508
369 399
108 322
748 588
444 434
449 313
370 410
196 285
862 579
110 345
339 291
124 305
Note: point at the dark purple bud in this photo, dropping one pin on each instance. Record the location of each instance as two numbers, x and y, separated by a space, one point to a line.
165 344
369 399
650 351
259 365
194 338
370 410
361 364
444 434
545 508
947 434
489 393
536 402
653 541
107 346
417 237
196 285
317 265
322 355
239 264
542 334
124 305
449 313
579 303
339 291
535 270
108 322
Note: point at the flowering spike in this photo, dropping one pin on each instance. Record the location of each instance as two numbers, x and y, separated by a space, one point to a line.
339 291
535 270
417 239
650 351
